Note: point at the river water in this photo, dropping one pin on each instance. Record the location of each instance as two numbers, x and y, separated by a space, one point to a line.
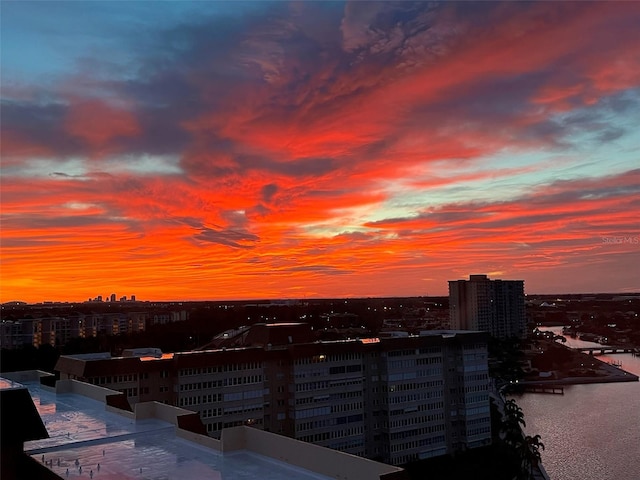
592 431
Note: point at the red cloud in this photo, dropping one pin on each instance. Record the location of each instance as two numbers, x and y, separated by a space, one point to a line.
16 148
97 122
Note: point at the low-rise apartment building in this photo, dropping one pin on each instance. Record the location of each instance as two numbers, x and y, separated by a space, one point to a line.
391 399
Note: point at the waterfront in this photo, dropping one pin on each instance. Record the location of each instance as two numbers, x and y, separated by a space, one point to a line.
592 431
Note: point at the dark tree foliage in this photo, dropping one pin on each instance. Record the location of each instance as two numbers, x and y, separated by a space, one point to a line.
29 357
484 463
512 455
518 445
506 358
555 358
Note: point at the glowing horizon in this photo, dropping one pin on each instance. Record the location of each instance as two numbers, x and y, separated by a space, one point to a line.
221 151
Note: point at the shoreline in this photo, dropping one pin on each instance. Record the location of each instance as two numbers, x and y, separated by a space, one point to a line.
609 374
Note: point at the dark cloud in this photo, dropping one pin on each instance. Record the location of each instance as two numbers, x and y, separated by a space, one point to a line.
233 234
323 269
31 116
224 158
302 167
546 204
438 218
357 236
47 222
37 125
230 238
64 175
608 134
268 191
161 132
50 242
258 211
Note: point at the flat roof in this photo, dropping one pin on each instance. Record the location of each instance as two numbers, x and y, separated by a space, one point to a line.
112 446
6 384
73 419
91 356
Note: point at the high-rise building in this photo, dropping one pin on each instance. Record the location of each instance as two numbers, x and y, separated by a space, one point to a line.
391 399
494 306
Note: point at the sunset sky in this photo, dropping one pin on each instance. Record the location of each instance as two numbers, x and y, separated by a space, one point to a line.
211 150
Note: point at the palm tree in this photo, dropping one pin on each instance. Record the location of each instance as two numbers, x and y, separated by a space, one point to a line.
526 448
512 423
529 454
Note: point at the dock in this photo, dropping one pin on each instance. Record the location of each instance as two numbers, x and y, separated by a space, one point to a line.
550 389
604 350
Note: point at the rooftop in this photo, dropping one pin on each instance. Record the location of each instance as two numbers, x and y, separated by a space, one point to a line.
6 384
82 430
89 439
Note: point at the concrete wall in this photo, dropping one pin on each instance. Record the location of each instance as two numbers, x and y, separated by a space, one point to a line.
203 440
158 410
119 411
94 392
25 376
318 459
85 389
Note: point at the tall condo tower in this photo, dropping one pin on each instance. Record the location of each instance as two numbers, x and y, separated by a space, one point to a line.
494 306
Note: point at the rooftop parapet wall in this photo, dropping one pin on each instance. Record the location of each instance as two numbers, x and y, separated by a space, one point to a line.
306 455
205 441
186 420
158 410
94 392
114 401
25 376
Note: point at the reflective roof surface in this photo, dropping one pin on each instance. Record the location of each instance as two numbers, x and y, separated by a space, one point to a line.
6 384
86 441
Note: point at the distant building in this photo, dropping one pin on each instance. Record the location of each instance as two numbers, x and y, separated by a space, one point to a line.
162 317
391 399
113 297
494 306
59 330
16 334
